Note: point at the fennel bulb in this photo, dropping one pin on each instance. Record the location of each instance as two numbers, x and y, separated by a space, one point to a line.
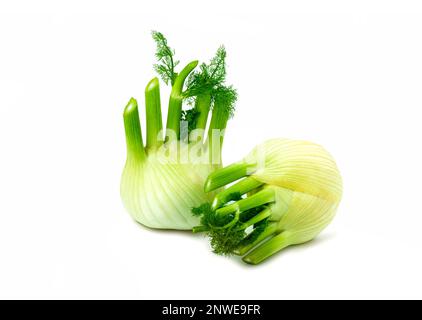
164 179
289 193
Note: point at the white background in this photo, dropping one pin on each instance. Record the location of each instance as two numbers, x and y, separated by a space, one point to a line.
347 75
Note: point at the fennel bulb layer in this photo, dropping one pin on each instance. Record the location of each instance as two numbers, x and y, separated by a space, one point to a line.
161 193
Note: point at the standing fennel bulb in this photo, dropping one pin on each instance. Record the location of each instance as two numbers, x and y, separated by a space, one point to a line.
289 193
163 180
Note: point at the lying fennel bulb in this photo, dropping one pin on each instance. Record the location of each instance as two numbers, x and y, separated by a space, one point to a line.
289 193
164 179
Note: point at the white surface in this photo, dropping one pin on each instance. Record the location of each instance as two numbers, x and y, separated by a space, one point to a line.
347 75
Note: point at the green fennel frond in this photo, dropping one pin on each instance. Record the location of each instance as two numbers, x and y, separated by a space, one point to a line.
225 97
206 214
164 54
207 84
217 66
208 77
191 117
225 240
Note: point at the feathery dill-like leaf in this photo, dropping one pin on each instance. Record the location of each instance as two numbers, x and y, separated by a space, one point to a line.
225 97
225 241
217 66
164 55
258 229
208 77
191 116
209 80
206 214
203 209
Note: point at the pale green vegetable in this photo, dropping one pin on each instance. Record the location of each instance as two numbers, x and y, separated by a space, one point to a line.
289 193
163 179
